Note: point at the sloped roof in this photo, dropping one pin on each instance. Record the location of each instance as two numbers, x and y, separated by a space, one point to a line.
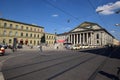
86 26
20 22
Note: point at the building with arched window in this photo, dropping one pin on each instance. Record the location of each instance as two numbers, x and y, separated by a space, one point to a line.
25 33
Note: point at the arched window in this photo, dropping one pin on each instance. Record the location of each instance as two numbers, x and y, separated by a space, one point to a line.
5 24
11 25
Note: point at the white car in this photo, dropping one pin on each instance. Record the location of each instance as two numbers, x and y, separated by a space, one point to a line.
76 47
2 51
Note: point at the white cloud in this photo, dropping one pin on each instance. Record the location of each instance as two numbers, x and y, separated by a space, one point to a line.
109 8
55 15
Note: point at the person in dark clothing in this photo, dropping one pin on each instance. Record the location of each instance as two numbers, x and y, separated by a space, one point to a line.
118 72
40 48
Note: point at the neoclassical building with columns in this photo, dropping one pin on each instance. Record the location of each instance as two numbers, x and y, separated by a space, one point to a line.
87 33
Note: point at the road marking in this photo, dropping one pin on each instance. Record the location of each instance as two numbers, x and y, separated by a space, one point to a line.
1 76
1 64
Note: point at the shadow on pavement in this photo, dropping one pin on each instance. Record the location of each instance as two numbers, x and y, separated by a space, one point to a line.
108 52
111 76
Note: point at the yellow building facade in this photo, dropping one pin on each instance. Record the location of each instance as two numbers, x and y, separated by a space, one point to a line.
24 33
50 38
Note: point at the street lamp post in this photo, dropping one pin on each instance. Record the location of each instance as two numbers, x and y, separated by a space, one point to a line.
55 37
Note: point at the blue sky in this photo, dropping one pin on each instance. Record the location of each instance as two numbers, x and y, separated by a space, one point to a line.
53 15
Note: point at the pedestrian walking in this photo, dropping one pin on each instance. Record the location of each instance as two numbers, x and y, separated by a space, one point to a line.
118 72
57 47
40 48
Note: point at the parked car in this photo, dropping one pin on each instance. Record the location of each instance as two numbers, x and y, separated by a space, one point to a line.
2 50
19 46
4 45
76 47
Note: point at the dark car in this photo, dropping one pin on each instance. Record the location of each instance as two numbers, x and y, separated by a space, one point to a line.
4 45
19 46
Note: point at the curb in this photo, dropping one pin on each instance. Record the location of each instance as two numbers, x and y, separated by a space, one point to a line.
1 76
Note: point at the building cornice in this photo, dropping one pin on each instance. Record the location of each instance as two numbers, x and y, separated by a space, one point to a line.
20 22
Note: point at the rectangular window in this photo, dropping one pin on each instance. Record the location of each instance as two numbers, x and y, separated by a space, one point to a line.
22 27
10 40
35 29
34 35
16 26
97 36
26 34
30 35
10 33
4 33
97 41
26 28
31 42
31 29
21 34
16 34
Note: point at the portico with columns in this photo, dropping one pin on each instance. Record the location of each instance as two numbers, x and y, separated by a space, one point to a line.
83 38
89 34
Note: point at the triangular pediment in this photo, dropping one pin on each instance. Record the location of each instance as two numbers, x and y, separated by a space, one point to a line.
78 29
86 26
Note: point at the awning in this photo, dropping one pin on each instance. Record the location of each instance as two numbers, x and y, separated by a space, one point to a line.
61 41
